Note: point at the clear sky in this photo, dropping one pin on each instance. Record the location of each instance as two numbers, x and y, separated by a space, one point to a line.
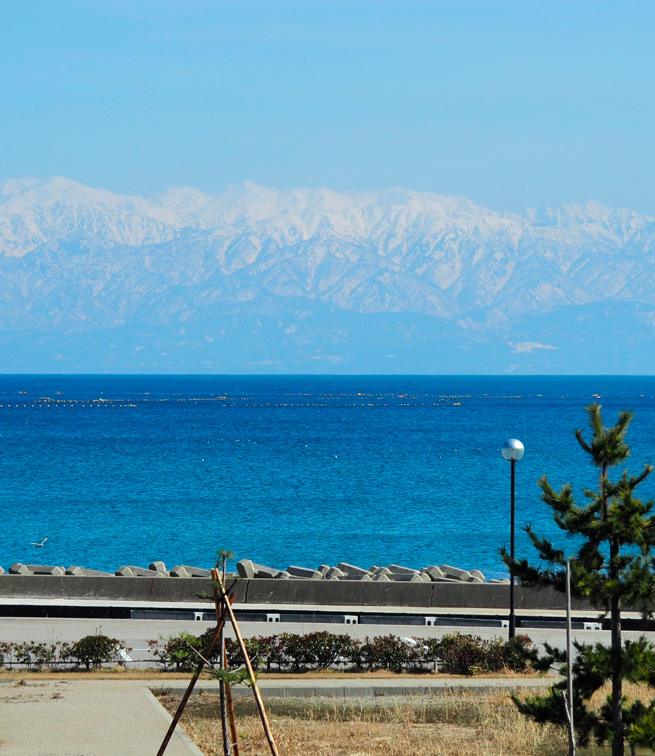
509 102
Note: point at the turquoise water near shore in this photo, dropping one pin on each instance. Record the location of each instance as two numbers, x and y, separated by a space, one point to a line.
292 470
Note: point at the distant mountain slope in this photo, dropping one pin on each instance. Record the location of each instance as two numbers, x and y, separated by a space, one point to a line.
315 281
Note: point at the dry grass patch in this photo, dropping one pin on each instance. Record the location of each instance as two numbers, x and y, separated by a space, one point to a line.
452 723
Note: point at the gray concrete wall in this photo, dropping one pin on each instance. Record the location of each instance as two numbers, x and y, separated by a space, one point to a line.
456 595
264 591
109 588
350 592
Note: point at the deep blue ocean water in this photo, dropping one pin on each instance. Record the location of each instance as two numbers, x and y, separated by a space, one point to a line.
292 470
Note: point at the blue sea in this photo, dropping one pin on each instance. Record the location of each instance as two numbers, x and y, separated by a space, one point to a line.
287 470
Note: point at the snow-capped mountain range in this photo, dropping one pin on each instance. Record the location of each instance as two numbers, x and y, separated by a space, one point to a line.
256 279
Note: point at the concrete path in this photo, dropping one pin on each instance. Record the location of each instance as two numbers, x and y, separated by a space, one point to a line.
85 718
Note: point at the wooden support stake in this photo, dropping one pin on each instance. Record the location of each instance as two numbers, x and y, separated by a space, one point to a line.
220 612
230 711
228 722
192 684
251 675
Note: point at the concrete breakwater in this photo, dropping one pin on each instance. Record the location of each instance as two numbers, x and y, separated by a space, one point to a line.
343 571
250 570
253 584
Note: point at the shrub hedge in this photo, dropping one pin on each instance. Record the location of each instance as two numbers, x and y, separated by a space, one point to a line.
453 654
90 651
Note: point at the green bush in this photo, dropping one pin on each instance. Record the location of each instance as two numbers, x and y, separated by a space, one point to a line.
471 655
94 650
453 654
176 653
388 652
324 649
318 650
431 650
272 651
64 653
204 642
519 653
7 653
263 651
34 656
90 651
463 654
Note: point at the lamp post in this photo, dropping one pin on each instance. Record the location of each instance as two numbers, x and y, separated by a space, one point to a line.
513 451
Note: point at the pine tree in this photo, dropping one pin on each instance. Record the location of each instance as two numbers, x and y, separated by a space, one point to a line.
613 568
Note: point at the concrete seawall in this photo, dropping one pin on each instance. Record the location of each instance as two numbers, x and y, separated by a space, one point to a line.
264 591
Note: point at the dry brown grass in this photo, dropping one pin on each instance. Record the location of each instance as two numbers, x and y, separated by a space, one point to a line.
452 723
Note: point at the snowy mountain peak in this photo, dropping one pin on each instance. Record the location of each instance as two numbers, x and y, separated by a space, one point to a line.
76 259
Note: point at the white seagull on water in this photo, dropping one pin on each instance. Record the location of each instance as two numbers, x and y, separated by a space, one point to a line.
38 545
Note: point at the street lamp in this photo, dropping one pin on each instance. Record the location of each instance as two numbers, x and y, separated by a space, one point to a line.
513 451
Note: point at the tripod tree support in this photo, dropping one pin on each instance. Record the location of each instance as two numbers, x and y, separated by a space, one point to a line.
244 651
228 720
192 684
223 611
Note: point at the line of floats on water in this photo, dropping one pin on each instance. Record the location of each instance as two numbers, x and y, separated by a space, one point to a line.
229 403
324 400
327 400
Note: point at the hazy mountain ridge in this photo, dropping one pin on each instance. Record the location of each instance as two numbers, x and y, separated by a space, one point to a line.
76 259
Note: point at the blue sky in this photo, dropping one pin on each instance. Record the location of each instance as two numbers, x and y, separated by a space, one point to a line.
509 102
